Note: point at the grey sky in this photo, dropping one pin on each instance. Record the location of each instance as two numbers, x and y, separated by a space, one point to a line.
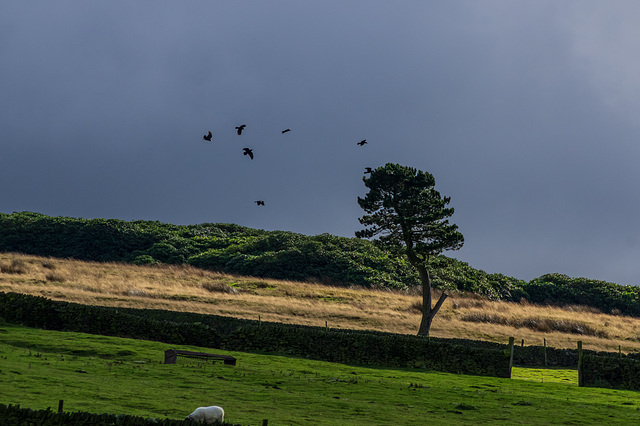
526 113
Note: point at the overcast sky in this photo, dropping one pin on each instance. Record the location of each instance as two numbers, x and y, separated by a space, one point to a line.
526 112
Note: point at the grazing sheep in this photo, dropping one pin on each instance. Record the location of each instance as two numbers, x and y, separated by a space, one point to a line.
213 414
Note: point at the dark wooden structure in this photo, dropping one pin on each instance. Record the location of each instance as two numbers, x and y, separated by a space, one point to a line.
171 355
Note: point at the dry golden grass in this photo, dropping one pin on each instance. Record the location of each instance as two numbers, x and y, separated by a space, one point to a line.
184 288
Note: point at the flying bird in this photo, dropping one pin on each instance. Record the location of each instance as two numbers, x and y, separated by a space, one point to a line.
367 170
285 131
362 142
241 128
259 202
247 151
208 136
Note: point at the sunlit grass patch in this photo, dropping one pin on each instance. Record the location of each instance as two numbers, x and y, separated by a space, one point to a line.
546 375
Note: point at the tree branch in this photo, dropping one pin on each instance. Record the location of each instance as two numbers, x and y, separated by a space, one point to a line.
439 303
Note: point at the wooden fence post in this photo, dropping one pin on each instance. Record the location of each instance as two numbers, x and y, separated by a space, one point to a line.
511 342
265 422
522 345
545 352
580 372
60 404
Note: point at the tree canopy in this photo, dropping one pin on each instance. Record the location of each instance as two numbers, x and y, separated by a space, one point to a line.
409 215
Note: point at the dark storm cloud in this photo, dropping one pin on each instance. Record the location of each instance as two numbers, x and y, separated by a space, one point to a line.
523 111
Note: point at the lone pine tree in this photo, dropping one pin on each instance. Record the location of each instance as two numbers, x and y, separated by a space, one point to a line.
410 218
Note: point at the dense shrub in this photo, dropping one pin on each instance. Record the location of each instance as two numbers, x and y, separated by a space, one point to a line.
558 289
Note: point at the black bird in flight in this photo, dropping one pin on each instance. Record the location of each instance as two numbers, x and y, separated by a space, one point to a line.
241 128
247 151
259 202
208 136
362 142
368 170
285 131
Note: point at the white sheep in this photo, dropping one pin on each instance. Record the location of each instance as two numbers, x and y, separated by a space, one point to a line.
213 414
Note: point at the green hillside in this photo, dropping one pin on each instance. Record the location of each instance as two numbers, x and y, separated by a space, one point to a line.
101 374
321 258
237 250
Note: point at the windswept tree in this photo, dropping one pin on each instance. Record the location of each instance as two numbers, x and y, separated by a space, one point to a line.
409 217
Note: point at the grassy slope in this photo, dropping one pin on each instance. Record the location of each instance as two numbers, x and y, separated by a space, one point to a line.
104 374
321 258
188 289
239 250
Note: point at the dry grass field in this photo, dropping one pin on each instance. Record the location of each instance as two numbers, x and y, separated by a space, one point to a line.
183 288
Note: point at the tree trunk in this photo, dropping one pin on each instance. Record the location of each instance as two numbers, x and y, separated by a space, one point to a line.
429 314
427 311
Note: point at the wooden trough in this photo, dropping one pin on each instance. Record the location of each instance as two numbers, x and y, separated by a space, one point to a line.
171 356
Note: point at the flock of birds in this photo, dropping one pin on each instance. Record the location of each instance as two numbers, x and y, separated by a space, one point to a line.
248 151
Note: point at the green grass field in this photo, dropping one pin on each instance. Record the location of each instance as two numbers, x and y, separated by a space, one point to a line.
112 375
